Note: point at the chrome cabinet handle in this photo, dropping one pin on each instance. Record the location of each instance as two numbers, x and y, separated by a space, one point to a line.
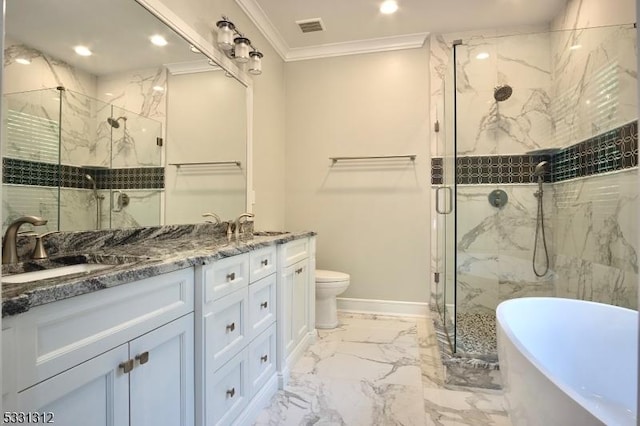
264 262
231 327
143 358
231 276
264 305
231 392
126 366
264 358
449 208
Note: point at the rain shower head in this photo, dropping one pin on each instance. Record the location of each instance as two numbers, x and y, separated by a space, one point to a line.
502 93
540 168
114 122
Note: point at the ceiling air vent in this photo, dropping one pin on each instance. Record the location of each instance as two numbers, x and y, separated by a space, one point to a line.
311 25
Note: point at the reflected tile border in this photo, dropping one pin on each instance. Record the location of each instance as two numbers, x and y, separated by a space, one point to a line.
25 172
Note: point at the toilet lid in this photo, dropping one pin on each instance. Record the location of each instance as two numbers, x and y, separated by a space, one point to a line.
324 276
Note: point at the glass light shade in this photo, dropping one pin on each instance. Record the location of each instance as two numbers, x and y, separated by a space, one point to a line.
225 35
255 63
241 52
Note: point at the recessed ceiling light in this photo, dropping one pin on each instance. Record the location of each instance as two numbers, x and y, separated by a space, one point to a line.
158 88
575 47
108 94
23 61
388 7
482 55
158 40
82 51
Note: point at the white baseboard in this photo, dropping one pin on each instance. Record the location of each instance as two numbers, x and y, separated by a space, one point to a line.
383 307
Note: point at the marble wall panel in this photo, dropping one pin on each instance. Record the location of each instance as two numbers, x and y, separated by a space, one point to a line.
142 209
18 200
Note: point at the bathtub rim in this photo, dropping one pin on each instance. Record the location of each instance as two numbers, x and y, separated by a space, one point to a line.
576 396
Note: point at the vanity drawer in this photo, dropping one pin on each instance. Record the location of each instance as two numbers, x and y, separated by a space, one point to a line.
262 263
225 328
262 305
227 391
262 358
225 276
295 251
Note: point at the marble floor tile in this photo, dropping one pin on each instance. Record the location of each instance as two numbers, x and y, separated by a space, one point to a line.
377 370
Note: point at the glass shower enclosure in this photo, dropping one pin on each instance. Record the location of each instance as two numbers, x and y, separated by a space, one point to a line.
566 99
69 158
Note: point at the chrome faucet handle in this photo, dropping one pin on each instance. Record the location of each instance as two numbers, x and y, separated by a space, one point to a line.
239 223
9 250
213 215
39 252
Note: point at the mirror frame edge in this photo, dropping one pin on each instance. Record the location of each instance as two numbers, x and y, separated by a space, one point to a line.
173 21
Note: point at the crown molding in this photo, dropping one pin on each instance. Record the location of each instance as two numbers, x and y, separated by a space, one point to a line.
384 44
190 67
253 10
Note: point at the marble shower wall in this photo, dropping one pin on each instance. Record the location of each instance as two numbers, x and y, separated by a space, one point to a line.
593 258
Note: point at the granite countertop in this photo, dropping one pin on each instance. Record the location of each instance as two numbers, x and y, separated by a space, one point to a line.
143 253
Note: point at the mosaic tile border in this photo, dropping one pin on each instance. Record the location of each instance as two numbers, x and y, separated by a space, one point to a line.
614 150
24 172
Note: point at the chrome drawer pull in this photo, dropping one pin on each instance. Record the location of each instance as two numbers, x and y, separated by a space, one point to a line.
264 358
231 392
264 262
264 305
231 276
231 327
126 366
143 358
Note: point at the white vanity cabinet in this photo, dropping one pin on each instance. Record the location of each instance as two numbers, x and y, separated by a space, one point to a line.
119 356
296 298
235 337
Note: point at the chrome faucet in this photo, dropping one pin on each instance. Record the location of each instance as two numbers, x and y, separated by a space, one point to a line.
213 215
9 244
239 223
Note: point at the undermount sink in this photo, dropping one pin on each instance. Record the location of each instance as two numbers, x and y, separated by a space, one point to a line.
36 270
53 273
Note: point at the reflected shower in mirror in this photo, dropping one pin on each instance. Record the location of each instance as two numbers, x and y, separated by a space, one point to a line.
85 93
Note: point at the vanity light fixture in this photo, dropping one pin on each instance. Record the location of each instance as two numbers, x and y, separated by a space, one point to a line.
158 40
82 51
23 61
482 55
388 7
238 47
255 62
158 88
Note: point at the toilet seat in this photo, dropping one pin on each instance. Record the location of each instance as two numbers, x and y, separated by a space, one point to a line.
325 276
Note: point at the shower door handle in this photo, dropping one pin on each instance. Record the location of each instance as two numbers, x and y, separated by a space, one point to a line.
449 207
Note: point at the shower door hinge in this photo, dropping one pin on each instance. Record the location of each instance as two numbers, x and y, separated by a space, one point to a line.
159 141
436 126
436 277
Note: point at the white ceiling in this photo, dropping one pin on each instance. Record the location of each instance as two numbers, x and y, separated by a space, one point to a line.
358 26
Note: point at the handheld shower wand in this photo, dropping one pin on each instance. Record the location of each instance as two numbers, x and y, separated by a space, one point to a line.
539 172
98 199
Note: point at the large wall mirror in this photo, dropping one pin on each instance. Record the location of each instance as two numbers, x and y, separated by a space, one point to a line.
125 133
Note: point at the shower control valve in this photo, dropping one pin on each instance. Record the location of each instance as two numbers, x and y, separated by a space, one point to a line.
498 198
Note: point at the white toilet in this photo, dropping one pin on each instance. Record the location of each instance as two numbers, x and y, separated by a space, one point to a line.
329 284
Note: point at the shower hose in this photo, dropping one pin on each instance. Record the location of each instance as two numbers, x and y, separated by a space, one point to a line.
540 230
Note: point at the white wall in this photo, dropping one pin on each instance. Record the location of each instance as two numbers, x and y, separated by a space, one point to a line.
269 119
372 216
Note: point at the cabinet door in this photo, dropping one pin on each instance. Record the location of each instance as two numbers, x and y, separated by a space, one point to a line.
162 377
286 306
94 393
300 300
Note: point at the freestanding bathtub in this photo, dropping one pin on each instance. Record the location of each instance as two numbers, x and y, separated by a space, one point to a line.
568 362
